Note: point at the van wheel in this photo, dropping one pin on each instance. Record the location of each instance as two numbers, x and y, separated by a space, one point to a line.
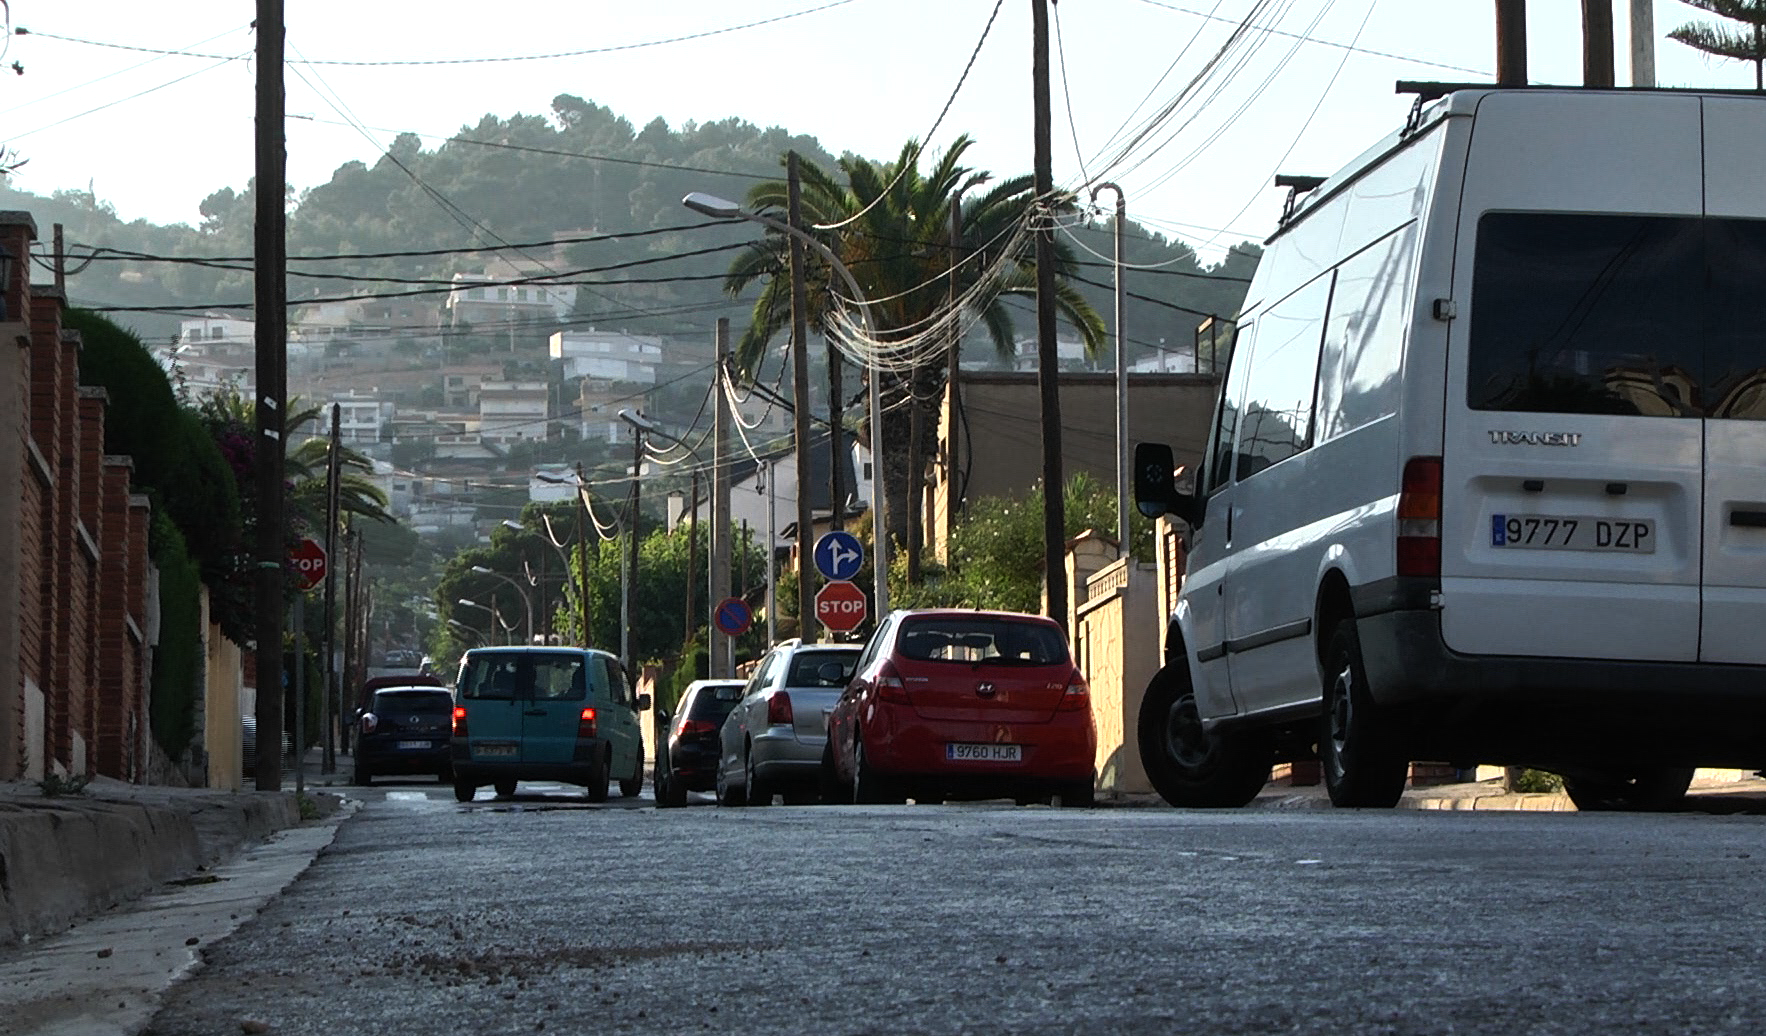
1188 766
630 787
465 791
505 787
1357 749
597 788
1653 789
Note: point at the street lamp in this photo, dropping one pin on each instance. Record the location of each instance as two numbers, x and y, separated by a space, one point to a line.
457 624
583 524
496 620
526 605
1121 374
719 208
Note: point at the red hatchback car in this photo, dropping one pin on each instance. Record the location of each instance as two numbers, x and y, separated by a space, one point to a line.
954 704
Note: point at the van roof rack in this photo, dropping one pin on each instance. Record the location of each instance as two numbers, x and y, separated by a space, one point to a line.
1296 185
1427 91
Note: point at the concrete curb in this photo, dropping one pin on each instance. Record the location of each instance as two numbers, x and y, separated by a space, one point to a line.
71 856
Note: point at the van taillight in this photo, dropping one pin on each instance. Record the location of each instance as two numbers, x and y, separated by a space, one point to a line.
778 709
459 721
1419 518
889 685
1077 696
585 725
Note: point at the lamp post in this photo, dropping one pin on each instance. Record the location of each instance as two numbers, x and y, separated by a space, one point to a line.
496 620
526 605
1121 375
718 208
457 624
583 524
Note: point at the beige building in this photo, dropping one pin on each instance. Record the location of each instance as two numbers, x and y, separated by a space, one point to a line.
996 446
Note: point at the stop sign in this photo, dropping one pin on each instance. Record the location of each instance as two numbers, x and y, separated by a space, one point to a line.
307 559
840 606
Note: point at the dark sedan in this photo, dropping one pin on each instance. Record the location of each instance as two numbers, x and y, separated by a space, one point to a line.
690 763
405 730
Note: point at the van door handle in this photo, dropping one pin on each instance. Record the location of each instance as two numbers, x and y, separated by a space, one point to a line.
1748 519
534 712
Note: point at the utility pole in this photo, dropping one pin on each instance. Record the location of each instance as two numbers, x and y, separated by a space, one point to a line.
349 622
631 532
58 243
836 458
1643 43
723 648
951 385
692 556
1121 373
1511 42
269 276
1054 517
333 471
584 525
770 473
1597 43
806 625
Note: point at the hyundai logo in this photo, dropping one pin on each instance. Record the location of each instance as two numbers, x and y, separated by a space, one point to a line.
985 690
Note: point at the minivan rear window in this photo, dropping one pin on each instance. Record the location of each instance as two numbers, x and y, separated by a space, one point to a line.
555 676
981 639
1656 316
435 701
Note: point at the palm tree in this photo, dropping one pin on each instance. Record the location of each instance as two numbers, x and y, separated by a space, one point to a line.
890 224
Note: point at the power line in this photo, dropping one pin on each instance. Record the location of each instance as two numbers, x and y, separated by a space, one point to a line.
1351 47
467 61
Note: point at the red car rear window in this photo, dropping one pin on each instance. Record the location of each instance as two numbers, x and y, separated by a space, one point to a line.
981 639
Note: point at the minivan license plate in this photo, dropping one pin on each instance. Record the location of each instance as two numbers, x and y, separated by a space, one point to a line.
1573 532
957 751
504 749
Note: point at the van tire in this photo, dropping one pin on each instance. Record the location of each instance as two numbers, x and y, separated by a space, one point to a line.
631 786
465 791
1191 768
596 790
505 787
1357 749
1652 789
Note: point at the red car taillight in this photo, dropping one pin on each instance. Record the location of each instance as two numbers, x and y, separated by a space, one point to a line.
778 709
1419 518
889 685
585 725
369 722
694 726
1077 696
459 721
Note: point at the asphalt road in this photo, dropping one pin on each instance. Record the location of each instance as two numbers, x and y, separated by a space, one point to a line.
545 914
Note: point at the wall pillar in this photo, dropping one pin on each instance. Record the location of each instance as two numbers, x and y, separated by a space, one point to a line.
17 231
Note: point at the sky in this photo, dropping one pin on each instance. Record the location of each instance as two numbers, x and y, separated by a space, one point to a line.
1305 90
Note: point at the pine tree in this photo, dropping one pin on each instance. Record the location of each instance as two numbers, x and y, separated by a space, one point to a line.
1747 42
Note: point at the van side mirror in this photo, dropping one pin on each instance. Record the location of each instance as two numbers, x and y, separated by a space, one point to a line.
1155 485
643 703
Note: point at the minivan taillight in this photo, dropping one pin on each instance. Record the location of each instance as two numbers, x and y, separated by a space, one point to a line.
1419 518
1077 696
889 685
778 709
585 725
459 721
369 722
694 726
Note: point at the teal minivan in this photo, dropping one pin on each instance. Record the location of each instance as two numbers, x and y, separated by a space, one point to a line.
546 714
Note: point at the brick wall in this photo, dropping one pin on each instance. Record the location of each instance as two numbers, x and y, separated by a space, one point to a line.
115 686
92 403
55 531
142 631
67 660
17 230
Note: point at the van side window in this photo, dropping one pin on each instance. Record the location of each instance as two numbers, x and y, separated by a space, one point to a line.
1277 418
1364 337
1587 314
1218 469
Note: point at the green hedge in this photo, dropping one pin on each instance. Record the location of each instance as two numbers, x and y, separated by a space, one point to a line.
177 658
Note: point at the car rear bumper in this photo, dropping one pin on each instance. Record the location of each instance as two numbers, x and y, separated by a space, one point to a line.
901 744
693 766
1526 709
384 756
783 757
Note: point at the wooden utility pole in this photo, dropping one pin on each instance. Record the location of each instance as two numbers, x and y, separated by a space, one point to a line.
952 387
1643 43
1054 516
349 626
692 556
59 243
1597 42
626 612
1511 42
722 646
269 274
800 403
836 454
333 478
585 525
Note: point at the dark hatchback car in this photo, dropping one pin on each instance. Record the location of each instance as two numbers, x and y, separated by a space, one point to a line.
405 730
690 764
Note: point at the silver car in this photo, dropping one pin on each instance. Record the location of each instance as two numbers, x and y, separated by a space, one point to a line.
771 744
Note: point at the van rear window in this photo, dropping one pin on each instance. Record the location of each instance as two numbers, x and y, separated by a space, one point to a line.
561 676
1612 314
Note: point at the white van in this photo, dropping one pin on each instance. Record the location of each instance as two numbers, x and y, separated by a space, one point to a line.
1487 477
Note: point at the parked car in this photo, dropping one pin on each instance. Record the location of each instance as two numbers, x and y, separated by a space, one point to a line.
772 741
1470 494
689 760
403 730
953 704
545 714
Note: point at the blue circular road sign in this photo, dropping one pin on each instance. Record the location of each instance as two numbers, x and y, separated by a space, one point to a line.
839 555
733 616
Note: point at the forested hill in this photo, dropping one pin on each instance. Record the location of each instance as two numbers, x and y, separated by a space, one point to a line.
582 172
